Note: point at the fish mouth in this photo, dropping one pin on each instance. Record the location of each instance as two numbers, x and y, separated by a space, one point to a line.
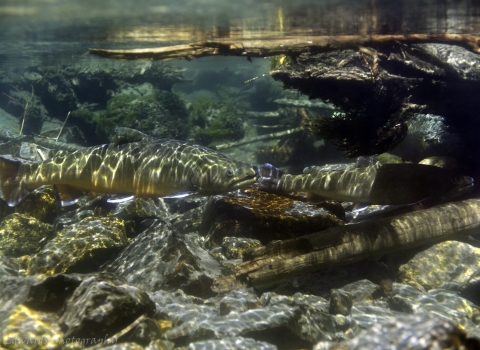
247 180
466 183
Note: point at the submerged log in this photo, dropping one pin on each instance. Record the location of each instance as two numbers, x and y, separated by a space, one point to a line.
288 46
346 244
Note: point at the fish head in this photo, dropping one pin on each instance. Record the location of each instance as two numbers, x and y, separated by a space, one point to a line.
445 183
455 185
222 174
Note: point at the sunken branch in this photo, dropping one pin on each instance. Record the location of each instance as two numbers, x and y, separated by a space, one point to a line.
346 244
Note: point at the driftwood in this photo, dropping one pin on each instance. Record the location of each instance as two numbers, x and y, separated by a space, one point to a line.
346 244
289 46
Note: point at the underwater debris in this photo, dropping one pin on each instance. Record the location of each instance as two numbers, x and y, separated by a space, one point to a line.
63 125
350 243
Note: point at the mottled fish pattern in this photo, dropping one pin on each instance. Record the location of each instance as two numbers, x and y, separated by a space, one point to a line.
375 184
146 168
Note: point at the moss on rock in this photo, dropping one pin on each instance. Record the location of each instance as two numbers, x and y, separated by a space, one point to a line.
81 247
21 234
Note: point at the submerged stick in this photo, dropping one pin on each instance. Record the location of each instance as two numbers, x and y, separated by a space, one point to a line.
25 112
63 125
258 138
288 46
346 244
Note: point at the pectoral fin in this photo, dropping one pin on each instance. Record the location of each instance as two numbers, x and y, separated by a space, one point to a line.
119 199
182 194
69 195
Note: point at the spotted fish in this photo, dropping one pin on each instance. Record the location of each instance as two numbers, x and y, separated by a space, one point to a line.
374 183
145 167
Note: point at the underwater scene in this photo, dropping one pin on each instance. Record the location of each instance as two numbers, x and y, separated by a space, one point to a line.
270 174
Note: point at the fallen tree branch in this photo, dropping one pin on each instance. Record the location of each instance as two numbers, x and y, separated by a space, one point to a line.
346 244
288 46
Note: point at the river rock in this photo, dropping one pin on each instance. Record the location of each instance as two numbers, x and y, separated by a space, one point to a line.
31 329
100 309
81 247
42 204
189 221
140 208
21 234
13 291
238 301
442 303
9 266
233 343
162 258
422 332
8 123
340 302
78 304
448 265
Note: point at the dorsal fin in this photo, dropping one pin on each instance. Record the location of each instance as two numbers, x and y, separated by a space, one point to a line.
126 135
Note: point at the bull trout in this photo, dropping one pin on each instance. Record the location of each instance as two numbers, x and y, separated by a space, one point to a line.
146 167
375 183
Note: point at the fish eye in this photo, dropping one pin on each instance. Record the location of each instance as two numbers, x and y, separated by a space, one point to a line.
229 172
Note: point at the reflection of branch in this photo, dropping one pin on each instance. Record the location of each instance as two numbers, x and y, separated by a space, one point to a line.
25 108
288 46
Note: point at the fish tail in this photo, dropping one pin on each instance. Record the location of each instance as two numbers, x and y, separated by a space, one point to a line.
13 190
270 176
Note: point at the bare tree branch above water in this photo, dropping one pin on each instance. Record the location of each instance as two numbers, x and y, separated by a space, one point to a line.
288 46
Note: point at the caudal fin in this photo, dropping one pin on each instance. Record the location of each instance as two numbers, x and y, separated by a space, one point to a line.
12 188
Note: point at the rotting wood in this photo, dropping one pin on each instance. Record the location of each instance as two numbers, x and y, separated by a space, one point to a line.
289 46
346 244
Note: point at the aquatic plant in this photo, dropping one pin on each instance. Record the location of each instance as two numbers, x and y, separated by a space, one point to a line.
212 120
157 112
280 61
